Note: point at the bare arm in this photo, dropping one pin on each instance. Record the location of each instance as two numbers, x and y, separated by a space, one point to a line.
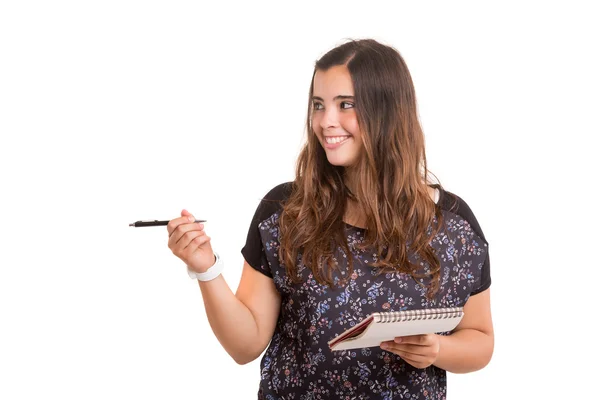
471 344
467 349
243 323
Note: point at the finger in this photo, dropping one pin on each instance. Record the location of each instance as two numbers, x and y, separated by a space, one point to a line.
183 240
186 247
394 347
195 245
410 357
184 234
414 349
416 360
192 239
176 222
422 340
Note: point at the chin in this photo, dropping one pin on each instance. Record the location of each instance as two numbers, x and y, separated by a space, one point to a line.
340 162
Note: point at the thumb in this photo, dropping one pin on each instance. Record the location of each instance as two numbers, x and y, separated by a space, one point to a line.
185 213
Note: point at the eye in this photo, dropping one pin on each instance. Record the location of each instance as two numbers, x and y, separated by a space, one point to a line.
317 106
347 103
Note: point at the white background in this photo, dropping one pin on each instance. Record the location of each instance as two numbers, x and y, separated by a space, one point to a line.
117 111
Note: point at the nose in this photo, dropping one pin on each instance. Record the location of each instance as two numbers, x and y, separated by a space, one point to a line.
330 118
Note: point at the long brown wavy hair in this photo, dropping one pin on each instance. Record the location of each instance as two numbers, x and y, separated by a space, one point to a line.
392 172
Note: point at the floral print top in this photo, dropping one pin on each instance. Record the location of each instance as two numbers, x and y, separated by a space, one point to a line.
298 363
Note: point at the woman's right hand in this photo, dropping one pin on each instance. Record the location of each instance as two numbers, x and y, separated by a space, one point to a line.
189 242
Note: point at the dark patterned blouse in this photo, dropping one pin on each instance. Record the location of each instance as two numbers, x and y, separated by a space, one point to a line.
298 363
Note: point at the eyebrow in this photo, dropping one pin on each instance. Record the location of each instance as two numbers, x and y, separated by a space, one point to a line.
339 97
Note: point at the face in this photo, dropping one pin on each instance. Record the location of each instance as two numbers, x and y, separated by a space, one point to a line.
334 117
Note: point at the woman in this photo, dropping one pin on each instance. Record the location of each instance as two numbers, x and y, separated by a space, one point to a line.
359 230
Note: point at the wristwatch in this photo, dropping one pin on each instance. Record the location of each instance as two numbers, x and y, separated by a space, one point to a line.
210 273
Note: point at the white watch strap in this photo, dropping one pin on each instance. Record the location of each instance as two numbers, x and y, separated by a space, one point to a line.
210 273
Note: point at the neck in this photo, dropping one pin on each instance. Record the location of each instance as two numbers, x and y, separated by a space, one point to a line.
354 216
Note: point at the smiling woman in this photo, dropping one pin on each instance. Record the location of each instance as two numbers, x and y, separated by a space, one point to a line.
360 230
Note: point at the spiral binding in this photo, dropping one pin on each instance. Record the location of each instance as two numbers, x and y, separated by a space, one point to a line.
418 315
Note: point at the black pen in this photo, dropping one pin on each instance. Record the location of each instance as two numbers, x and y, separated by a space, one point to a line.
139 224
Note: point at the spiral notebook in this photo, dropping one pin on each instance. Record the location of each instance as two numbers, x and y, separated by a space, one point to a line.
383 326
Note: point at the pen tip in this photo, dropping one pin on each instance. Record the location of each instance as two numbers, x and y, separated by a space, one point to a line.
131 224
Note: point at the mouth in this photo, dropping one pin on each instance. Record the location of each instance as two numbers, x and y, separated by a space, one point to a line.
333 142
336 139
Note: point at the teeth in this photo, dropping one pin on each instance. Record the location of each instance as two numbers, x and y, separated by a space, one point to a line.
337 139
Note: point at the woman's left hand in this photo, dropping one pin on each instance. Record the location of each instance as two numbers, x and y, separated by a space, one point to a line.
420 351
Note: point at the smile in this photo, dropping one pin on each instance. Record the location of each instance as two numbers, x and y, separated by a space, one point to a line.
336 139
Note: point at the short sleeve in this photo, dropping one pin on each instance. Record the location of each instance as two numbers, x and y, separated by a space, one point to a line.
254 251
485 281
479 244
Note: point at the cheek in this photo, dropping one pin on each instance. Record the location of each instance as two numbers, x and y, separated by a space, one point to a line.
316 124
350 124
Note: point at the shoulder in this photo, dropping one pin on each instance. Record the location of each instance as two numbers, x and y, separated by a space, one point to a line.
272 202
280 192
453 204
